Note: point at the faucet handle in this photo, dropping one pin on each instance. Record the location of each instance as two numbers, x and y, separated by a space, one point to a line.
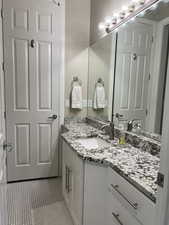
130 125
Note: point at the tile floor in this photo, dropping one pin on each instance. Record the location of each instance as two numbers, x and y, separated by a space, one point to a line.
21 201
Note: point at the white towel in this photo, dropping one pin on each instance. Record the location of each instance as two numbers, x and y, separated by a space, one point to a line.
99 101
76 97
99 98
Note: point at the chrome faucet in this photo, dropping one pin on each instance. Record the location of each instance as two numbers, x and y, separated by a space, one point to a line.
111 129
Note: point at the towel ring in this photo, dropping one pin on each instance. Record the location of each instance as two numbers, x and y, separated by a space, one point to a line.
100 81
76 80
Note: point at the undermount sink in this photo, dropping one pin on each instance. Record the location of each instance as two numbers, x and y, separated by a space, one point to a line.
93 143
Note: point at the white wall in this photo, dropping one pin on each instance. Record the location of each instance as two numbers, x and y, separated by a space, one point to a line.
99 10
77 43
82 19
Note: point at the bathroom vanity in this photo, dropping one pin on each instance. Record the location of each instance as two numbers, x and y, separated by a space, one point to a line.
105 183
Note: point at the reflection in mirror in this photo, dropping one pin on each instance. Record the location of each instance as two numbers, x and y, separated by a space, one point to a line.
101 78
141 71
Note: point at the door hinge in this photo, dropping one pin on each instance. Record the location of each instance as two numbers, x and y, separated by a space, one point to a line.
3 66
2 13
160 180
4 115
146 112
152 39
149 76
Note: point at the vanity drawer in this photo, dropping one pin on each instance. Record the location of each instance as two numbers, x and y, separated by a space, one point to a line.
118 215
132 199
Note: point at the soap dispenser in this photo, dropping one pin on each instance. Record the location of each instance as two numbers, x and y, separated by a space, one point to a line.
122 137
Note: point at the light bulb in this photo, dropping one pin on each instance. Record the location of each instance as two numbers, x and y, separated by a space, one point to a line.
101 26
108 20
116 15
124 8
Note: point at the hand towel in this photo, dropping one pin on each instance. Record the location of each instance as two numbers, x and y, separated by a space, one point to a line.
76 97
99 101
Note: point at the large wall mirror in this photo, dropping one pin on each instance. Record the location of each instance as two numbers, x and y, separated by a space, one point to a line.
101 78
136 80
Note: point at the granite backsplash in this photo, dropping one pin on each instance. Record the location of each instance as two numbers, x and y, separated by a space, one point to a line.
144 143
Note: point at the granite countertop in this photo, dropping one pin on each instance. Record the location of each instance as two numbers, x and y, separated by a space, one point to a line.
139 167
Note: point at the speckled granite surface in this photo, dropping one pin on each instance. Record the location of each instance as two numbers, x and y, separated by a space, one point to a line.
139 167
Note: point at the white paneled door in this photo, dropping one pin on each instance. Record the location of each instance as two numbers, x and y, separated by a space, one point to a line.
33 58
132 71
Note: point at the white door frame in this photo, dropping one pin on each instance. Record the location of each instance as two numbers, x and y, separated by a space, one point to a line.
162 207
163 193
155 70
153 84
62 73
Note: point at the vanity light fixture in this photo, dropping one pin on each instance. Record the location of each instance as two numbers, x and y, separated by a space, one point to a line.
128 13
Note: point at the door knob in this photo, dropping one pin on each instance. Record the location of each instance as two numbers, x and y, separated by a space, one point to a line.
134 56
8 147
53 117
32 43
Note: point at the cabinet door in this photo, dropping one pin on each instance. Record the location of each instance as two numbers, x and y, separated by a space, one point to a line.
95 195
77 189
65 174
73 183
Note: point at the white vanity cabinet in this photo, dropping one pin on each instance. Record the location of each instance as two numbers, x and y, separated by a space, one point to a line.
84 188
72 184
97 195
